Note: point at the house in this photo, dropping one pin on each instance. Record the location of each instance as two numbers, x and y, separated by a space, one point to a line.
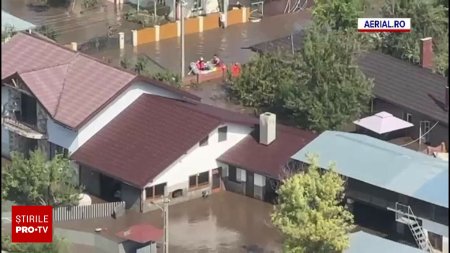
413 93
409 188
56 98
163 147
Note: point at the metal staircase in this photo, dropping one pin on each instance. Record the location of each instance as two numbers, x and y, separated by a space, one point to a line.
405 215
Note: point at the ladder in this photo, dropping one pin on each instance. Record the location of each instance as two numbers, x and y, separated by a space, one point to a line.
404 214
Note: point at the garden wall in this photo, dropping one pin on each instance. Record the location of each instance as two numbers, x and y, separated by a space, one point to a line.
191 26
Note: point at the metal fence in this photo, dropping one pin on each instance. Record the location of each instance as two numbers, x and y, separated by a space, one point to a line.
88 212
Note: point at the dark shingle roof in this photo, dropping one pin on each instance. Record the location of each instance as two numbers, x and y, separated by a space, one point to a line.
72 87
396 81
268 160
144 139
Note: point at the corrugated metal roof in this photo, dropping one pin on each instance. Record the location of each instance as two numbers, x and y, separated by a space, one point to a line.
362 242
382 164
17 23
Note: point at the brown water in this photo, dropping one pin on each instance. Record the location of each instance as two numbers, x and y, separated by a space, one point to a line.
224 222
69 23
230 43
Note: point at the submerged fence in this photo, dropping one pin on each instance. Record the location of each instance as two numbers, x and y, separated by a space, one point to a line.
88 212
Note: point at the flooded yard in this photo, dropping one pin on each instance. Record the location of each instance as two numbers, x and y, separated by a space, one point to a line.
224 222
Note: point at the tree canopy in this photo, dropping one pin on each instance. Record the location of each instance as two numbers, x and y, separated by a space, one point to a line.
39 181
338 14
429 18
57 246
320 87
310 213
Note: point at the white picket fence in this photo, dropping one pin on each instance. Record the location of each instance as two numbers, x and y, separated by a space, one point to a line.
99 210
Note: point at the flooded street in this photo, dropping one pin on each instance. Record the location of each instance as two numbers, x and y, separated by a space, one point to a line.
224 222
72 26
230 43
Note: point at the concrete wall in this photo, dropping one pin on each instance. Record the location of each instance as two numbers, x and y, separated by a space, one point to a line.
72 140
200 159
437 135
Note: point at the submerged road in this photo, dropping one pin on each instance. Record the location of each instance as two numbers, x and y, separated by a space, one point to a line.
229 43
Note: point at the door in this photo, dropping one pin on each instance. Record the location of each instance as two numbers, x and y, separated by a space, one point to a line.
424 129
216 178
250 185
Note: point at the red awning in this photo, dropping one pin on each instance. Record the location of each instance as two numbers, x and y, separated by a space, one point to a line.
141 233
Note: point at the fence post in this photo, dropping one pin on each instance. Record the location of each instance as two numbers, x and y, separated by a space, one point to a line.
200 24
244 14
178 28
74 46
157 28
134 34
121 40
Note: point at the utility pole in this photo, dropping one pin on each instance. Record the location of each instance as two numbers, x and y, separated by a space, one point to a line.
138 6
165 212
182 3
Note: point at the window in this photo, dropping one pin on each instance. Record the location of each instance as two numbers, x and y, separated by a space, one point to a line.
155 191
232 173
56 149
424 128
241 175
199 180
204 142
223 133
407 117
435 240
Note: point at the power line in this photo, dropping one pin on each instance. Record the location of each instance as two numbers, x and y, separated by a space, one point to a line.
420 137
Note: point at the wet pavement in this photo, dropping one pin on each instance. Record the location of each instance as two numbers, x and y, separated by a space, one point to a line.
70 24
224 222
230 43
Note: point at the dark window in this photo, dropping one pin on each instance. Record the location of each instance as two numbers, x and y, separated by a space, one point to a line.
204 142
192 181
149 192
435 240
203 178
232 173
56 149
159 190
223 133
407 117
29 110
199 180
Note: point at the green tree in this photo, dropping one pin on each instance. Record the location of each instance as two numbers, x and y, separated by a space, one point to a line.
309 212
169 77
262 79
330 90
429 18
8 32
338 14
57 246
39 181
47 31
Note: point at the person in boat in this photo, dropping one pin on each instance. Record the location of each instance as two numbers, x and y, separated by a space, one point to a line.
201 65
216 61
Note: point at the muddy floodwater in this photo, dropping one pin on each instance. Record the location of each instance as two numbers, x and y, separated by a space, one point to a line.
224 222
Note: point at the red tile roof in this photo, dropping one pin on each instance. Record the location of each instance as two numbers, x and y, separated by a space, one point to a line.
145 138
141 233
71 86
249 154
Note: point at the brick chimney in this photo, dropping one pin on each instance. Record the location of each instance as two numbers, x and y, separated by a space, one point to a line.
426 53
446 98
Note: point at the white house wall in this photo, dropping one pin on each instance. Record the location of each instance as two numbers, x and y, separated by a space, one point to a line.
72 140
201 159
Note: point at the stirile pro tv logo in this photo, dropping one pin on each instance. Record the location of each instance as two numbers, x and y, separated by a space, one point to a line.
32 224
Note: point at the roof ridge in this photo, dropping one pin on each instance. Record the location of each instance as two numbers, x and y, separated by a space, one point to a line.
43 68
63 85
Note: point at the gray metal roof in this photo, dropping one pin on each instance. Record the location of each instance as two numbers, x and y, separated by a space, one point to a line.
17 23
382 164
396 81
362 242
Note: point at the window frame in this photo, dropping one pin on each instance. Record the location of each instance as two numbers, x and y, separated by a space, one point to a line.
232 173
407 117
222 133
197 184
